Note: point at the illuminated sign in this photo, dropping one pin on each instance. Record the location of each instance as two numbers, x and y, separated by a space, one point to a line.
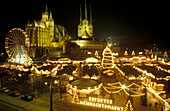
101 103
99 100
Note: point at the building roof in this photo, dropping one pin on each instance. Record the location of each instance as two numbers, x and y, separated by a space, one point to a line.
90 71
61 30
50 67
85 82
39 24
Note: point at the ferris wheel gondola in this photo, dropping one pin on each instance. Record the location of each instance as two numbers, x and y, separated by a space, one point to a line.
16 45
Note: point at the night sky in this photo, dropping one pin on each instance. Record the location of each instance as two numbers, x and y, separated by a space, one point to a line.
128 22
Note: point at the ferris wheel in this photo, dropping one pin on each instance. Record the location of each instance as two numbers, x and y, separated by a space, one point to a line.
16 45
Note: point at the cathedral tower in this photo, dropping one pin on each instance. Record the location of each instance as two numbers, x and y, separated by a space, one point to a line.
85 28
45 15
48 20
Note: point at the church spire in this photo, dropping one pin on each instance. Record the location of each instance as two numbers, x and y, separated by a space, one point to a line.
80 15
90 15
85 10
46 9
51 18
45 15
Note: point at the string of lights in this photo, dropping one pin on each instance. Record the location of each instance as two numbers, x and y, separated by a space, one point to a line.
136 89
128 105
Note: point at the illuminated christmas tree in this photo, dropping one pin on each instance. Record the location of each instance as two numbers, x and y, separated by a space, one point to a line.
165 54
133 53
107 61
129 106
126 53
75 98
96 53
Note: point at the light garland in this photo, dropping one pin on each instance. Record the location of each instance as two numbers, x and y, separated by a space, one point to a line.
121 72
144 72
160 68
167 78
132 77
119 88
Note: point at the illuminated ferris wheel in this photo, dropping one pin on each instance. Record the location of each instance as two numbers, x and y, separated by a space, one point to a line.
17 45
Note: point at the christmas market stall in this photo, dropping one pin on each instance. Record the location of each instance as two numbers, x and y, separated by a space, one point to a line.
84 87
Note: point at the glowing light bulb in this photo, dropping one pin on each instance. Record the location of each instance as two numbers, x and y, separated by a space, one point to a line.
123 86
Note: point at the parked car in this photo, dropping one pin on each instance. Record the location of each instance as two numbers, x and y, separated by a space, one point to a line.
14 93
27 97
4 89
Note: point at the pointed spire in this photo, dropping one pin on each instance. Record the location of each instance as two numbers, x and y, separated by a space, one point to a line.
28 21
57 31
80 15
63 32
90 15
51 18
85 10
46 9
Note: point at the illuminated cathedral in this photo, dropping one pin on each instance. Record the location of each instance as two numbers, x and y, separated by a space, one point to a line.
85 39
46 37
85 28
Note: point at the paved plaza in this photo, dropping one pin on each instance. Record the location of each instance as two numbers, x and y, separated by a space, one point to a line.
42 103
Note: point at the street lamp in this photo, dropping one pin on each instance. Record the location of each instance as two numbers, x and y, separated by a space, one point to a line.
51 93
51 98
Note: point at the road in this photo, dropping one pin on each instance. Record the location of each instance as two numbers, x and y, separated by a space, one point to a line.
42 103
4 106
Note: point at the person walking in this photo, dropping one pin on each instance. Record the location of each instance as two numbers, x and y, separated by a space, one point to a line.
150 105
156 105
